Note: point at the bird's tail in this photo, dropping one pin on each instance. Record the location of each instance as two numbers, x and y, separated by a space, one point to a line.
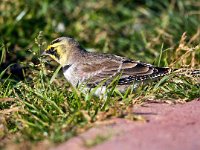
186 72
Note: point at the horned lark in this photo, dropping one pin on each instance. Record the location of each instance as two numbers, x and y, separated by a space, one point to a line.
89 69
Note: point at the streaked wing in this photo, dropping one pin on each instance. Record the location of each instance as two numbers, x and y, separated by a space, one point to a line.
98 71
140 72
128 70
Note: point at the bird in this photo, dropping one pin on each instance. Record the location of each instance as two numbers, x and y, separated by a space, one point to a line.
90 69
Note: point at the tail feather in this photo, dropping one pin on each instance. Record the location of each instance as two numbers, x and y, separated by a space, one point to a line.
182 71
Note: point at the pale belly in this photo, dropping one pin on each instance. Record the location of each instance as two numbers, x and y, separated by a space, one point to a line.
71 77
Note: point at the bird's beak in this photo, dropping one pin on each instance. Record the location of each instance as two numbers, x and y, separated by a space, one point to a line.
44 53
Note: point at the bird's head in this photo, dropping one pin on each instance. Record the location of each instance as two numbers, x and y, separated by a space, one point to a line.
61 49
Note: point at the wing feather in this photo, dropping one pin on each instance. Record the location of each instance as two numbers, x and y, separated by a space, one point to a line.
128 70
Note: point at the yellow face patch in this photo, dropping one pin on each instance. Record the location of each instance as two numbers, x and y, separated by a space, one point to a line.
59 50
53 52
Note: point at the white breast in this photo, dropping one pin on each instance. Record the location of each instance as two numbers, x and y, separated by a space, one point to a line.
71 76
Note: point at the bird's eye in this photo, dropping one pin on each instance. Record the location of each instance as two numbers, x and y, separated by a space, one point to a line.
51 51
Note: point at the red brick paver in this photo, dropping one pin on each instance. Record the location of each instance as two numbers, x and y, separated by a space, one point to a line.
169 127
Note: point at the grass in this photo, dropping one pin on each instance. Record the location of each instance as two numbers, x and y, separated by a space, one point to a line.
36 102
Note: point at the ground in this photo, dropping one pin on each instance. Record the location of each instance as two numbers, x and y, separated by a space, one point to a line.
167 126
39 109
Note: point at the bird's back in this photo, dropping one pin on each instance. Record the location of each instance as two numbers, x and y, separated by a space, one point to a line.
96 68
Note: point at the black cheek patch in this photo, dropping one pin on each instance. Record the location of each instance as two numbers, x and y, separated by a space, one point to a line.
57 55
53 52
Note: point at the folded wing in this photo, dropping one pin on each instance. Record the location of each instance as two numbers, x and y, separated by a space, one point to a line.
128 70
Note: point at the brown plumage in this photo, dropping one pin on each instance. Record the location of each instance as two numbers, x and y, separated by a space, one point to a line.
106 67
85 68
